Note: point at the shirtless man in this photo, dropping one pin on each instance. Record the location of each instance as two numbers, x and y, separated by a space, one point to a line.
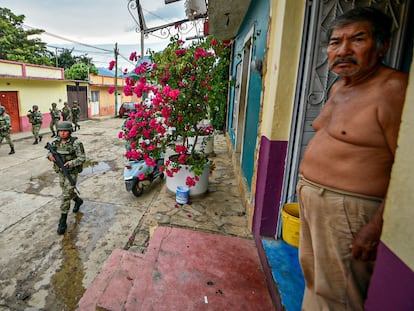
346 168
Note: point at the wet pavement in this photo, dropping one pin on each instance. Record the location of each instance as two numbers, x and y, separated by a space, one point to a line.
57 269
220 210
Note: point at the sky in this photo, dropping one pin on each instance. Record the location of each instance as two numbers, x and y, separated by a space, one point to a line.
98 23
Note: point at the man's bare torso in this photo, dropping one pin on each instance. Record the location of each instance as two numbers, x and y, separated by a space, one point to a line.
356 134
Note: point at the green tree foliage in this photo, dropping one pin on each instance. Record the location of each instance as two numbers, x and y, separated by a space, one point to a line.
65 59
76 67
17 44
79 71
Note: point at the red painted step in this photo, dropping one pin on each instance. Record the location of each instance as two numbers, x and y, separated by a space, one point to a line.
110 288
191 270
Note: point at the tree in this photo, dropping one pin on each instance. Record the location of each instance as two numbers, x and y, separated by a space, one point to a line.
16 44
79 71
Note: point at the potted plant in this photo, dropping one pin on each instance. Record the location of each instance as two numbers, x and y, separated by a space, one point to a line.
177 84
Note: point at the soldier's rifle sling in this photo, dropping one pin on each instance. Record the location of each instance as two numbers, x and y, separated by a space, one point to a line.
61 165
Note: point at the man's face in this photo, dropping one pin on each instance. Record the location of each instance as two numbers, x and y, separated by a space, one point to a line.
64 134
352 50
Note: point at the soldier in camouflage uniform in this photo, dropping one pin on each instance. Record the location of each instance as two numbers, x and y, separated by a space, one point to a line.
66 112
36 119
5 126
72 153
75 114
54 119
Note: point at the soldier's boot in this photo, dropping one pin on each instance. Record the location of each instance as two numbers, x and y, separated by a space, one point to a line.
78 203
40 137
36 142
62 224
53 134
11 150
78 127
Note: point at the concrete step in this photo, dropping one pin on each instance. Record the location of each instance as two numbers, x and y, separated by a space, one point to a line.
182 270
110 288
192 270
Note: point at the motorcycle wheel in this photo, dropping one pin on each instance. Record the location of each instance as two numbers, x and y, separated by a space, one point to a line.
137 190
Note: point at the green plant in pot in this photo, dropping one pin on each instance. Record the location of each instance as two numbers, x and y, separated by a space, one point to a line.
179 82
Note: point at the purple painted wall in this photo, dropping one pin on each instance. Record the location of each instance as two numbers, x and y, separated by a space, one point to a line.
270 173
392 284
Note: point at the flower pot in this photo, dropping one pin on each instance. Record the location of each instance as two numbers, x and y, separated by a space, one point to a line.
179 179
204 144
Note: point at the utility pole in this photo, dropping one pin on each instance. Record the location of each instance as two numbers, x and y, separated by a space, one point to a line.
142 26
116 52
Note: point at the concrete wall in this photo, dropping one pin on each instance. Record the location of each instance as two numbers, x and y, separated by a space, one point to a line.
392 285
278 98
35 92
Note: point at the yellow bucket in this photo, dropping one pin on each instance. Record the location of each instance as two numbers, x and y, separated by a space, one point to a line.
291 223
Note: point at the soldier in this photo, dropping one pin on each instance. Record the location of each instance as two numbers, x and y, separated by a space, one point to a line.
75 114
66 112
54 119
36 119
5 126
72 153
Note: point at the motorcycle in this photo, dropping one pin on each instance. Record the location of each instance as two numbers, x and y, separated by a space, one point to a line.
134 169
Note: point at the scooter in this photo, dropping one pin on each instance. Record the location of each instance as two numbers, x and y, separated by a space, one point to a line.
132 171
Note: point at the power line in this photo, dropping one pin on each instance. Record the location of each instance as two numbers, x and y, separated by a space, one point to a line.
79 43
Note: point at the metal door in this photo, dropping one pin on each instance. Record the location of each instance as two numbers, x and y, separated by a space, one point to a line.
314 80
9 100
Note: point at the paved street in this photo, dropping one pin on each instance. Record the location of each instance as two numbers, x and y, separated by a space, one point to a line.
41 270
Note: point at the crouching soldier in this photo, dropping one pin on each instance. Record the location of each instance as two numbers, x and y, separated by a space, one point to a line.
67 151
36 119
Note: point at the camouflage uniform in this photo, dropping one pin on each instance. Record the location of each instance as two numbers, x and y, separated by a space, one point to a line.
5 126
75 115
36 119
66 113
54 119
73 152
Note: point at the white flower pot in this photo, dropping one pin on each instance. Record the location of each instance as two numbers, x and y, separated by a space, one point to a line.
204 144
179 179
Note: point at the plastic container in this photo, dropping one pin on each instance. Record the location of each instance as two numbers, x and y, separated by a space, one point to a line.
181 194
291 223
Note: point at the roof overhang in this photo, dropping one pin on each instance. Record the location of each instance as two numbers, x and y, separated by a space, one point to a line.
225 17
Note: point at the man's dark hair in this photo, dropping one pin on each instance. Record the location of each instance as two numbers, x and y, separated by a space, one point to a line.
380 22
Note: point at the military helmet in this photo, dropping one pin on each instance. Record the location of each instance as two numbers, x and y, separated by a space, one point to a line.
65 126
54 104
2 109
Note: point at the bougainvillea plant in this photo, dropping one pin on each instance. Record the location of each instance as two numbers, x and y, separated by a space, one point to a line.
176 87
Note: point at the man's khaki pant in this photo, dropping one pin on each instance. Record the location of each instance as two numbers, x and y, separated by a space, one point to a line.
329 220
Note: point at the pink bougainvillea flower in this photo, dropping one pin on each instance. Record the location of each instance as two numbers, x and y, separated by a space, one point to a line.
180 52
111 89
133 56
181 149
111 65
141 176
127 90
190 182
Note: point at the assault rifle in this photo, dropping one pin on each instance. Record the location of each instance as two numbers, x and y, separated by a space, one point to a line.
59 162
